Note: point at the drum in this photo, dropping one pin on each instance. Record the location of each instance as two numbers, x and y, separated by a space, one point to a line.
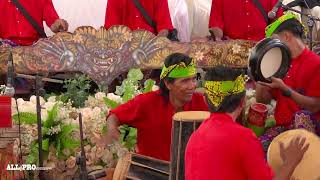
309 166
269 58
139 167
184 124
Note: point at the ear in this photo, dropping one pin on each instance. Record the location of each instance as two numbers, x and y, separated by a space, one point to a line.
168 85
287 36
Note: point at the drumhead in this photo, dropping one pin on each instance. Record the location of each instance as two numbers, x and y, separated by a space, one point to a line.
309 165
190 116
270 57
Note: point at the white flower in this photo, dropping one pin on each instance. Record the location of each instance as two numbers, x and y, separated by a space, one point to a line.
250 92
20 102
100 96
28 107
52 99
87 114
71 162
33 99
155 88
49 105
107 157
114 97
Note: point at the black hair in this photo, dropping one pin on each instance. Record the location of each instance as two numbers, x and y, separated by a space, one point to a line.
172 59
229 103
292 25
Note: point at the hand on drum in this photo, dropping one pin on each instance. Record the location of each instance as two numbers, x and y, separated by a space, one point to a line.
294 152
276 83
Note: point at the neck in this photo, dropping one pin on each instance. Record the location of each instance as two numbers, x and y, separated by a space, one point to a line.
178 105
297 49
233 115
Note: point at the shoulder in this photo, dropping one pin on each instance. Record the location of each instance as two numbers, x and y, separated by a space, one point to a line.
153 96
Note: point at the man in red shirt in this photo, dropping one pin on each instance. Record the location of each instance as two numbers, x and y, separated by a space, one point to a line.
300 89
151 113
124 12
224 150
239 19
15 27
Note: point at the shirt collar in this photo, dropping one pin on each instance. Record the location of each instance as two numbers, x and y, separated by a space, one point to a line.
221 117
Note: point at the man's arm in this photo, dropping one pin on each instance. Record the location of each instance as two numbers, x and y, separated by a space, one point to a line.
112 129
263 94
216 23
163 18
114 13
311 104
52 19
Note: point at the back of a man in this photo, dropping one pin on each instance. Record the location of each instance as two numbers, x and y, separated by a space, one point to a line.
124 12
240 19
228 145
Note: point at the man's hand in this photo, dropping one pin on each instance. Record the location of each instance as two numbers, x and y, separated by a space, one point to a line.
59 25
276 83
163 33
216 34
294 152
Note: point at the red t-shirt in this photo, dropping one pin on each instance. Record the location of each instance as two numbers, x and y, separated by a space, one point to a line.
152 115
124 12
303 77
240 19
14 26
222 149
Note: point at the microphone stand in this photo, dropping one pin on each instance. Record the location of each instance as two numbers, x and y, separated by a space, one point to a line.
81 160
311 21
39 92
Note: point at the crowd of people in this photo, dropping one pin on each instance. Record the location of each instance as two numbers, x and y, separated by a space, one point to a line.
220 148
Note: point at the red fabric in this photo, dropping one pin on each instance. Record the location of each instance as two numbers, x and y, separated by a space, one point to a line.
124 12
303 77
15 27
152 116
240 19
222 149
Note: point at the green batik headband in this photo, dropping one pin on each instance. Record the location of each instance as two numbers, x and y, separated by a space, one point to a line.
217 90
179 70
272 27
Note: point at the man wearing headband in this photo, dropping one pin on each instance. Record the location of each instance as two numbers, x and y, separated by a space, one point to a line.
152 113
300 89
224 150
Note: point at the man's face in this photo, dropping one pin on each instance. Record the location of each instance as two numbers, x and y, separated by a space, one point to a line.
183 88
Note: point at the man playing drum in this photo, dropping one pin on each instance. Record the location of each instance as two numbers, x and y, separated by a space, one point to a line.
222 149
300 89
124 12
240 19
152 113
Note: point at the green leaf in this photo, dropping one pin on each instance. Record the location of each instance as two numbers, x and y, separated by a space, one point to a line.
104 129
25 118
135 74
52 116
70 143
111 103
33 156
148 84
45 144
67 129
270 122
